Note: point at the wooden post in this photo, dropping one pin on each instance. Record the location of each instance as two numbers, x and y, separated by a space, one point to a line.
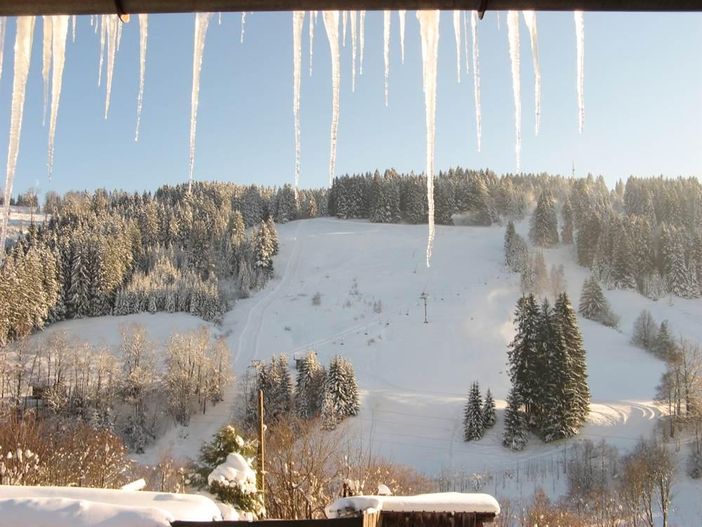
261 476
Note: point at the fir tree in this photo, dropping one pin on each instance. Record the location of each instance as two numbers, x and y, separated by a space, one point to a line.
473 422
489 412
309 392
567 228
594 305
340 391
516 433
645 331
544 223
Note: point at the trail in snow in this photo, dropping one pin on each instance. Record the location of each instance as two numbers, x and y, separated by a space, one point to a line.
354 35
310 30
402 13
113 24
580 51
3 26
362 37
513 36
46 61
457 35
102 22
429 29
476 77
59 32
386 50
23 55
143 38
331 25
530 21
298 21
202 20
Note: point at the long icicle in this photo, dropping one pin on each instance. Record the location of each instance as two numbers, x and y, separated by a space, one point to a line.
202 20
476 78
59 31
310 28
143 38
402 14
3 26
465 36
457 35
386 50
298 21
580 50
112 31
362 37
23 55
530 21
102 22
429 28
46 61
74 22
344 22
331 25
243 26
513 36
354 38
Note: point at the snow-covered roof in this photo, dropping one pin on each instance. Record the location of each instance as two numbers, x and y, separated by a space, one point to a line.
440 502
82 507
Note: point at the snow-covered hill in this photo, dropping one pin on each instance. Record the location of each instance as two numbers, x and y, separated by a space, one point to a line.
414 376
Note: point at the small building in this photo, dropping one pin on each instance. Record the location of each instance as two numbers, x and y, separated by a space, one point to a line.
446 509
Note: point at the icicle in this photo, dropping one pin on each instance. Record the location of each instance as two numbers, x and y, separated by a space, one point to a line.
120 25
310 28
59 30
103 21
113 24
344 16
498 20
530 21
23 54
402 13
201 22
386 50
513 35
580 49
465 35
476 77
143 36
46 61
96 23
74 21
362 36
331 25
429 28
3 25
354 16
243 26
298 21
457 34
219 18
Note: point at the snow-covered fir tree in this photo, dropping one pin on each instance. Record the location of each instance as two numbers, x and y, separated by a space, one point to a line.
567 226
309 388
489 412
594 306
473 422
543 231
340 398
516 432
645 331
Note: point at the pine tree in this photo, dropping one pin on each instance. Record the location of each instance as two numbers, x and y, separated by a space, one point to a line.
473 422
567 228
664 345
523 352
516 434
309 390
544 223
341 391
489 412
594 305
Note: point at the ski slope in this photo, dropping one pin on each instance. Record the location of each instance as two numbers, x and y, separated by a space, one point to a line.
414 376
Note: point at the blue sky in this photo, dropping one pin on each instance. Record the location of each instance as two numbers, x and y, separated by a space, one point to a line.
643 103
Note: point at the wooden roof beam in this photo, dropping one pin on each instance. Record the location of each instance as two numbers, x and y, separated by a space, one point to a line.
88 7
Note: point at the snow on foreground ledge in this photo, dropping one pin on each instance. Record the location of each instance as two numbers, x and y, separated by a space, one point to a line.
82 507
440 502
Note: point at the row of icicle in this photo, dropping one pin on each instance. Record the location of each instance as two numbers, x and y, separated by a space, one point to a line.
55 31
